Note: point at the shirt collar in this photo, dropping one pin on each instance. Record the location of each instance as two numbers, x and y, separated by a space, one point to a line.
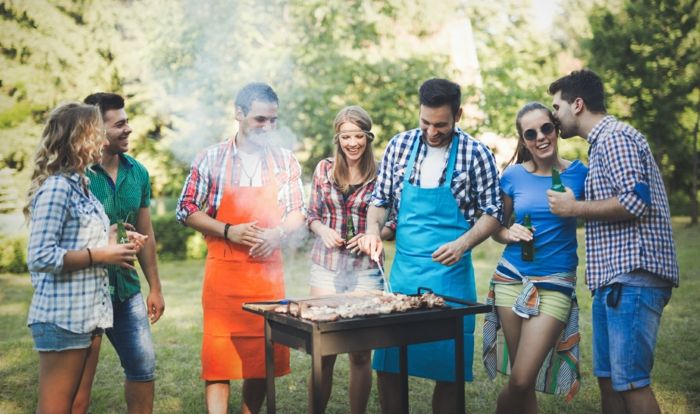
598 129
123 161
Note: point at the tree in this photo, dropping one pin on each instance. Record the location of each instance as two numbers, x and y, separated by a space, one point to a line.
648 52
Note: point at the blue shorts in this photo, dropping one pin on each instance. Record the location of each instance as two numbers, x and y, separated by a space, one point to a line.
131 338
49 337
342 281
624 335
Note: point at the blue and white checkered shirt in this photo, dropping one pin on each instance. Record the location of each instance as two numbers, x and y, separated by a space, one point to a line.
622 166
475 183
63 218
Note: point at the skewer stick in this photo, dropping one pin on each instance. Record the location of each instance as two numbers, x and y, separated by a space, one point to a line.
387 285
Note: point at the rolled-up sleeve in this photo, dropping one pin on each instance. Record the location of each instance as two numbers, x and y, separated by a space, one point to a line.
49 209
486 189
294 188
195 192
626 174
315 210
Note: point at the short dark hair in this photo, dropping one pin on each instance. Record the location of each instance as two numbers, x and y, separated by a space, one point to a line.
106 101
436 92
584 84
255 91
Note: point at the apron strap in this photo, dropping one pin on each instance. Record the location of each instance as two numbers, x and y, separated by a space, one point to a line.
450 163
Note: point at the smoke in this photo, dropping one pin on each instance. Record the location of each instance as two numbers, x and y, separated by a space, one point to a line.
201 54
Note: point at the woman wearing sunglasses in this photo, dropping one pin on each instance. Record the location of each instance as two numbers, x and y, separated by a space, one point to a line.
337 214
535 299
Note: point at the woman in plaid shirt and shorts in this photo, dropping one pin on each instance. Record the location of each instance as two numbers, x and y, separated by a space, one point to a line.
69 243
337 214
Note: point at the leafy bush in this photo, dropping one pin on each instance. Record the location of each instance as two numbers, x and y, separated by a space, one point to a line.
171 237
13 254
196 247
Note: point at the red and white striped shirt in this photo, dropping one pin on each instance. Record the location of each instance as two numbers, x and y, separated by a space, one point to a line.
204 186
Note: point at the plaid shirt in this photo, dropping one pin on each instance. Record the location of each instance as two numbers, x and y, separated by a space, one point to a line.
621 166
327 205
204 186
64 218
475 183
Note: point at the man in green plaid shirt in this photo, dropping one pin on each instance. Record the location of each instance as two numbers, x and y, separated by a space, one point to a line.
122 185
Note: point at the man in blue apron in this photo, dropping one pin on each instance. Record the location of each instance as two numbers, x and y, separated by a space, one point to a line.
443 188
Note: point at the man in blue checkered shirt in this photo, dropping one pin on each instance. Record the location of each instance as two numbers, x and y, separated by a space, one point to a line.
631 263
443 188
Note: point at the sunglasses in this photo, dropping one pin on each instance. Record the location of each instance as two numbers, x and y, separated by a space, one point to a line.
531 134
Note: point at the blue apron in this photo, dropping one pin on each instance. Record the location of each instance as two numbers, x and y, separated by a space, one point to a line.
429 218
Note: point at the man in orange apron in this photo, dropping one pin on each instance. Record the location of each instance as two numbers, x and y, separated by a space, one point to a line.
436 180
243 195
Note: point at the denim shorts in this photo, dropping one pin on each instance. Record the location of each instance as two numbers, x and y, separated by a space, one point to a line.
131 337
625 327
49 337
342 281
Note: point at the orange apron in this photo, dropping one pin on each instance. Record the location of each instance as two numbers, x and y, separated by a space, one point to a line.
233 344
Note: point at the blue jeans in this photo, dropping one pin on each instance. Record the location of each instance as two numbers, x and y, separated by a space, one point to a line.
131 338
625 327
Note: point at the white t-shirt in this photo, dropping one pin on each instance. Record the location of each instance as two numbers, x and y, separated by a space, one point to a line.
251 170
432 167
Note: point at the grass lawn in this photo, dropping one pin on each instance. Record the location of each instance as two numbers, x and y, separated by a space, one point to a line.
177 336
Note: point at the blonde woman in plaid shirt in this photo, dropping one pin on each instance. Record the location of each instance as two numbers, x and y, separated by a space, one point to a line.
340 194
631 263
68 246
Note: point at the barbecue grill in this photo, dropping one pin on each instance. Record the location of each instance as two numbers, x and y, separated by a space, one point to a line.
364 332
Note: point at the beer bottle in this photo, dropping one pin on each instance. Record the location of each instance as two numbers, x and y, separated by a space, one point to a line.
349 228
527 252
556 181
122 238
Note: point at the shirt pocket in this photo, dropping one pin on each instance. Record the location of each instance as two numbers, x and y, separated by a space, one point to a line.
89 218
460 181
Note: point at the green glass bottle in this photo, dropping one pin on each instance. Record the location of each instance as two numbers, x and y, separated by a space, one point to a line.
122 238
556 181
527 252
349 228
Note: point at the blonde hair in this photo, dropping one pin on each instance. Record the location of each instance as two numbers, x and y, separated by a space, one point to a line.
368 167
72 139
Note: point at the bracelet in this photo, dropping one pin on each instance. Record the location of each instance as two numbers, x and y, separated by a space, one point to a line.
282 232
226 227
89 256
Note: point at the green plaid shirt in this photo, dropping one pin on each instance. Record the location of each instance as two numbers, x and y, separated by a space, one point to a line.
122 201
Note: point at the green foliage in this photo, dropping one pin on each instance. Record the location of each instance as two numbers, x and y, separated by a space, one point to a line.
196 247
650 64
180 64
13 254
171 237
518 61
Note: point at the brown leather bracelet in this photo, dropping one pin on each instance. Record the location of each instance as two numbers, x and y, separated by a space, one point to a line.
89 256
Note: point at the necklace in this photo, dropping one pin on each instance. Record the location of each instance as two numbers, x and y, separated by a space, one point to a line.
251 175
